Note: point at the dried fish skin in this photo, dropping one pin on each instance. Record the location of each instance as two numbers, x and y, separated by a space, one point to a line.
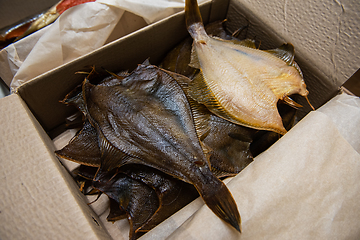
132 104
230 147
116 213
83 148
173 193
138 200
264 139
216 29
133 119
83 175
227 144
147 116
238 92
240 83
178 59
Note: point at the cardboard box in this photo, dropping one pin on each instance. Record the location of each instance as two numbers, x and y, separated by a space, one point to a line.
41 200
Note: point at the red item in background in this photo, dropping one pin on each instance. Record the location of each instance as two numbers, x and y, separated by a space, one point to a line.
66 4
13 33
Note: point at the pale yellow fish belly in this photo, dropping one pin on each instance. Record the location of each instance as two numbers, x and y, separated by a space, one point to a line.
237 81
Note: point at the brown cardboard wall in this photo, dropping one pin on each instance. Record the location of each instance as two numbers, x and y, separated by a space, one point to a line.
40 199
26 147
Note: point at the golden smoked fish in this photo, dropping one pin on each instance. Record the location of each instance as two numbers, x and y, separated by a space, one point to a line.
238 82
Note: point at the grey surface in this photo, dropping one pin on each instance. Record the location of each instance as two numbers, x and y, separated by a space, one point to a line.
16 10
4 90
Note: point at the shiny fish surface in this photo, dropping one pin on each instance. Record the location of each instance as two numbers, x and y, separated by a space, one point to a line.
240 83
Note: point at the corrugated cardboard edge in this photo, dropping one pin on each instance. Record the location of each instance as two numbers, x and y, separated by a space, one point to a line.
32 178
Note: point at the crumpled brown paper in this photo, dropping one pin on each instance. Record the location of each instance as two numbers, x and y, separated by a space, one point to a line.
306 186
79 31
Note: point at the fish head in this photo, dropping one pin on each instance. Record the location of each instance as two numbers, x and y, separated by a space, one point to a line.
298 86
302 89
288 81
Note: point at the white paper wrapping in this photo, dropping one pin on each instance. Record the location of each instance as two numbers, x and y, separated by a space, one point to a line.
78 31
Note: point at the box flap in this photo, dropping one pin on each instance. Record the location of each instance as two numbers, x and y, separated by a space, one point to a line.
32 178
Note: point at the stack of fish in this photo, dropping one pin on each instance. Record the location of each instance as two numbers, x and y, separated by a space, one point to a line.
154 139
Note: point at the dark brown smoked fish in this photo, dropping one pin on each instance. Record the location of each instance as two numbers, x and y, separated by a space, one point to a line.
227 144
148 117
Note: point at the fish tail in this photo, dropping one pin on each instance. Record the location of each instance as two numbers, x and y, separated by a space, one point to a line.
219 199
194 23
192 12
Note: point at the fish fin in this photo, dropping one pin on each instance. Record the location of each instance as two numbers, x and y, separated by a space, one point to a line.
230 143
285 52
295 65
75 97
220 173
114 75
83 148
277 86
228 161
291 102
246 43
201 117
201 114
200 92
194 60
146 62
111 157
116 212
219 199
72 96
171 201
